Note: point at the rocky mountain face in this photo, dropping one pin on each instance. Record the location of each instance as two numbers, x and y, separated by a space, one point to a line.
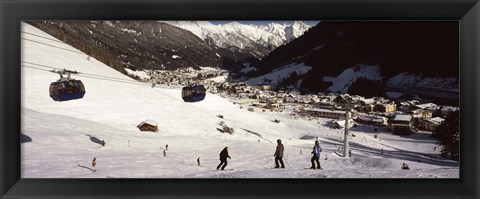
295 30
257 40
136 44
172 44
427 49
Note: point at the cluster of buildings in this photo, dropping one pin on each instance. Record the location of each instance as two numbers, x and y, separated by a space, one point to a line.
181 77
402 117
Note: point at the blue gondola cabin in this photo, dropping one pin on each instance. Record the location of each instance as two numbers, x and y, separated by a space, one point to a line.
66 89
193 93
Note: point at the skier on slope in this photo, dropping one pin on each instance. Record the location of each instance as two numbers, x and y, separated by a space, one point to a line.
223 158
279 154
94 163
316 155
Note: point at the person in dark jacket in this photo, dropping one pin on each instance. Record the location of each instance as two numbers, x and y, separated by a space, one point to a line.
316 155
94 163
223 158
279 154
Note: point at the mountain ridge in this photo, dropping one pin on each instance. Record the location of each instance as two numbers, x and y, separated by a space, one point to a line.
332 47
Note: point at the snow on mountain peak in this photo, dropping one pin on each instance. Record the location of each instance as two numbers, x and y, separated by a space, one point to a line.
244 35
295 30
199 28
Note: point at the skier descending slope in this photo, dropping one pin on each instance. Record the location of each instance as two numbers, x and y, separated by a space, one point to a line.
223 158
94 163
316 155
279 154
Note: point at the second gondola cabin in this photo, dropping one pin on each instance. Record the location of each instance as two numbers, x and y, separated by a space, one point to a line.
193 93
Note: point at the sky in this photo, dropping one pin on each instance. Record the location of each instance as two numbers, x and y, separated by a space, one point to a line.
260 22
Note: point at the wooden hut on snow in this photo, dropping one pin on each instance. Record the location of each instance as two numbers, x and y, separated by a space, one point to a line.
148 125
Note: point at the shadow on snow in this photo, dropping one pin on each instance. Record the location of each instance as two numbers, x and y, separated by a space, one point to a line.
25 138
399 154
85 167
95 139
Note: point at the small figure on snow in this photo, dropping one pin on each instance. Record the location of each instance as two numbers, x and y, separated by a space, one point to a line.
405 166
279 154
223 158
164 152
94 163
198 161
316 155
103 142
166 147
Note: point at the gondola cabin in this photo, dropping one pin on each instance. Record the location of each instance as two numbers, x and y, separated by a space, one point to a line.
67 89
193 93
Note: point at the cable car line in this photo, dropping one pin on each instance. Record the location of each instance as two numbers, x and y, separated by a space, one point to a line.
93 77
81 73
43 37
36 68
79 52
105 79
192 93
101 77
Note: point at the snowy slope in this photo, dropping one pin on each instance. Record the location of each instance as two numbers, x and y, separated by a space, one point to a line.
60 139
342 82
406 80
280 73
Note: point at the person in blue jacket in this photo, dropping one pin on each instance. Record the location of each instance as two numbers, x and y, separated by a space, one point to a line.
223 158
316 155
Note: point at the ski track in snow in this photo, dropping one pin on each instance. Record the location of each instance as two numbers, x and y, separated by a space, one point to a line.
60 139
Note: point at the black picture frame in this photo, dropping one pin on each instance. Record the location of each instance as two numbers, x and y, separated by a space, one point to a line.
467 12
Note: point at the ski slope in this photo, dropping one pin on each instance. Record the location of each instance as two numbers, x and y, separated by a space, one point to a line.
60 139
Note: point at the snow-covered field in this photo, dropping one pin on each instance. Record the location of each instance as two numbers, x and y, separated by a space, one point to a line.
60 139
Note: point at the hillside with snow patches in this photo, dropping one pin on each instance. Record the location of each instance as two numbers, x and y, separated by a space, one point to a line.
278 74
60 139
405 80
344 80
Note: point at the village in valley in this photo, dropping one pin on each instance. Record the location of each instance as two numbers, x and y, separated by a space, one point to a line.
399 116
171 121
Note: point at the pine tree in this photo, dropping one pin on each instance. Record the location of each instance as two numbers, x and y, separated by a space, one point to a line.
449 135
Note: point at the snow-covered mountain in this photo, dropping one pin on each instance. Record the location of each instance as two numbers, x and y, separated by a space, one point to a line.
295 30
135 44
60 139
172 45
243 35
400 51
